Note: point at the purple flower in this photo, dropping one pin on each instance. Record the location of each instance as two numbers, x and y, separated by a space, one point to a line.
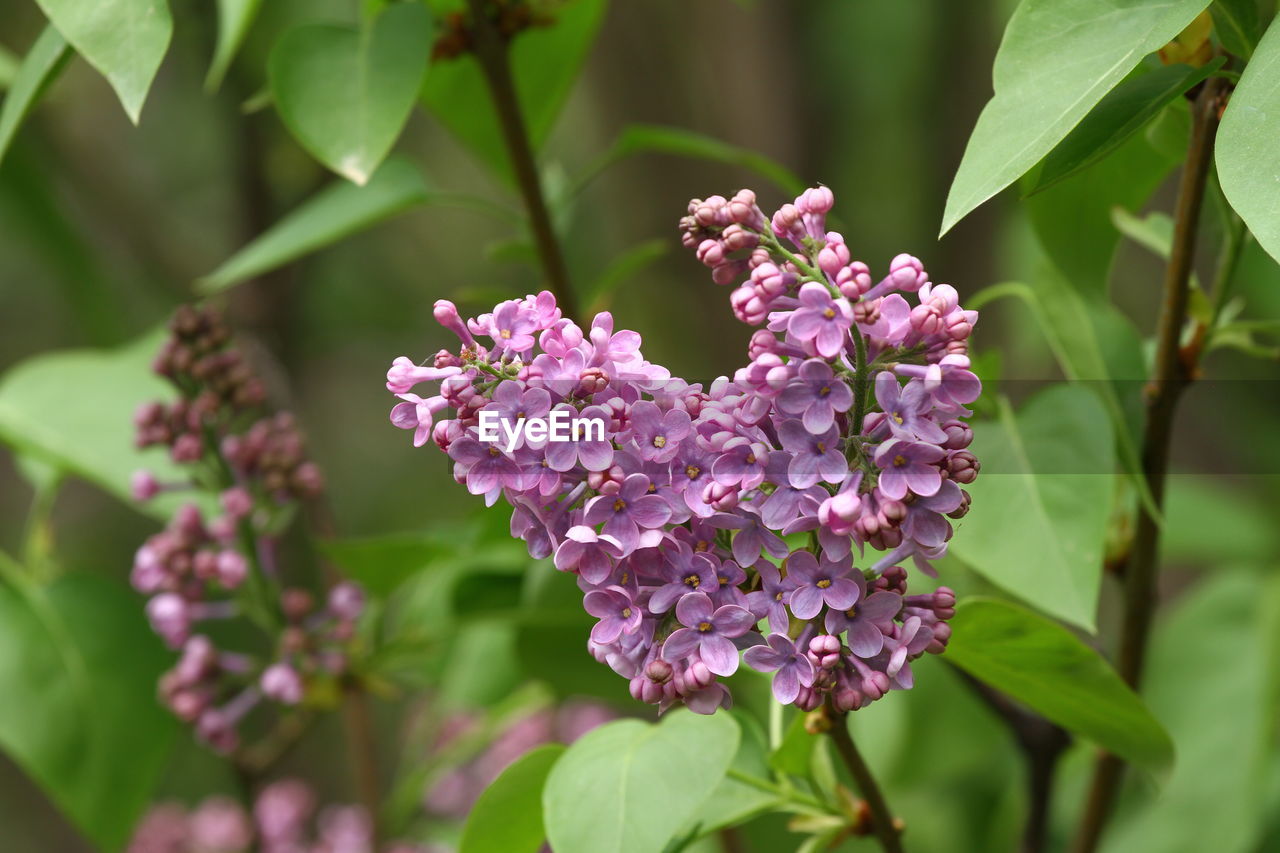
814 457
909 466
752 536
906 409
866 623
771 599
657 434
486 467
590 553
594 454
793 668
821 319
710 631
924 522
686 572
624 514
740 463
817 395
819 583
511 327
617 613
512 402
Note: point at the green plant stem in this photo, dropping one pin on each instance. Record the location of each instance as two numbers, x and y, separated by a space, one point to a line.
791 795
860 381
882 821
491 50
362 748
1171 375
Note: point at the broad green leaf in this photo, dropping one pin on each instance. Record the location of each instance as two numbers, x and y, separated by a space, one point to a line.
508 816
1211 520
1057 60
1237 25
1153 232
544 64
381 564
629 786
234 19
345 94
1224 631
74 410
657 139
1247 156
1046 667
734 801
46 59
330 215
795 754
80 665
8 68
1072 220
125 40
1050 469
1119 115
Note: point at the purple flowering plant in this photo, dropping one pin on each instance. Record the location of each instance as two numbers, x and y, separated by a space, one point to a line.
768 516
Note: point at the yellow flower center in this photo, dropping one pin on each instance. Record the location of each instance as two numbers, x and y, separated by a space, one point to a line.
691 581
659 441
704 627
619 505
823 584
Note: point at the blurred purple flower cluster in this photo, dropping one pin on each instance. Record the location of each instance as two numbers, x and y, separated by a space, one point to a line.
699 512
284 820
200 570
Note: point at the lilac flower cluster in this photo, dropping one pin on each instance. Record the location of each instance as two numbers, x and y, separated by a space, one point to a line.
284 819
199 570
718 519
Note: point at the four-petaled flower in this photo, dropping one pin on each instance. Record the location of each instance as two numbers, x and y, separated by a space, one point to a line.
909 466
780 655
710 631
627 512
817 395
819 583
617 613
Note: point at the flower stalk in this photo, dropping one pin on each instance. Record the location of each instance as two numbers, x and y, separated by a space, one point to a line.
887 828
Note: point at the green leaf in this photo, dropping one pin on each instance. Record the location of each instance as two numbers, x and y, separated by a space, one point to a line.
1119 115
1153 232
734 801
234 19
125 40
1225 631
1247 156
1237 25
508 816
1050 468
381 564
8 68
629 786
46 59
795 754
1045 667
1057 60
621 269
657 139
82 664
544 63
335 212
345 94
74 410
1073 219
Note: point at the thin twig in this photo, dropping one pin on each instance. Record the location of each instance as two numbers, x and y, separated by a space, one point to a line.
1042 744
362 747
1171 376
491 50
883 823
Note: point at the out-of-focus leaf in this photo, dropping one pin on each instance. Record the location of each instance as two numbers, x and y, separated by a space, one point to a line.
1050 466
1247 156
345 94
1044 666
234 19
1226 632
508 816
74 410
1096 345
1169 132
332 214
47 57
8 68
1237 25
382 563
79 665
125 40
1057 60
1119 115
1211 520
1072 220
657 139
629 787
733 801
544 63
795 754
621 269
1153 232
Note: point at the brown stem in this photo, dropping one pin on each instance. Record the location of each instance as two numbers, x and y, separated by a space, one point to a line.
883 824
1171 376
362 748
1042 744
490 48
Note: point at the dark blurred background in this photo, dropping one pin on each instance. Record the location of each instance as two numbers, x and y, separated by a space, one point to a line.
104 227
